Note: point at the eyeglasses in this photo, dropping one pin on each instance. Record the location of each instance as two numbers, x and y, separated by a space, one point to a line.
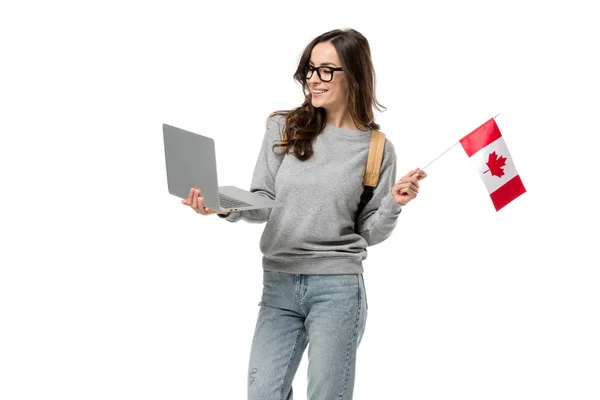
325 73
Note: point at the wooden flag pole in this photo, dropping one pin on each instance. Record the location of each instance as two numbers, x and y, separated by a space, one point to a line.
447 150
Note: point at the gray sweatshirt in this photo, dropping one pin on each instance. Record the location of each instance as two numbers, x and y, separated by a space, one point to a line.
310 230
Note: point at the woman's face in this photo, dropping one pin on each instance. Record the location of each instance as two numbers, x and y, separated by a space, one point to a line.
332 96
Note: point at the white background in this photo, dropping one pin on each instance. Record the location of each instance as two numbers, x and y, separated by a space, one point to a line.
111 289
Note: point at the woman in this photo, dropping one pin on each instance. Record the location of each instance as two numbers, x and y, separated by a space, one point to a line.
312 163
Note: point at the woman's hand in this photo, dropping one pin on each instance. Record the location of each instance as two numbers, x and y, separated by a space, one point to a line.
407 187
196 202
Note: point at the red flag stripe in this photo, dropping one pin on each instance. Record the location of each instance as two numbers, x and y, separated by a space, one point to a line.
507 192
481 137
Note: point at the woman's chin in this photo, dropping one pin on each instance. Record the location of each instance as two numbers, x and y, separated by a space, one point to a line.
317 103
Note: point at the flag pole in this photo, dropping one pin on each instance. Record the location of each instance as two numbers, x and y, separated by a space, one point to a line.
447 150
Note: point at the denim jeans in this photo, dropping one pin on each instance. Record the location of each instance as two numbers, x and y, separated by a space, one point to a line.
327 313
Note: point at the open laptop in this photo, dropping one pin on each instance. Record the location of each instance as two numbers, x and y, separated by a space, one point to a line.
191 163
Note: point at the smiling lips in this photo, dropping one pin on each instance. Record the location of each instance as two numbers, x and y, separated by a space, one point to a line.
318 92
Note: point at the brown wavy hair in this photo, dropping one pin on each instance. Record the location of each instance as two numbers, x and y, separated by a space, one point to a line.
304 123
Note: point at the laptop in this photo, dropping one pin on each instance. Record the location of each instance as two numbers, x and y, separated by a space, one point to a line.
191 163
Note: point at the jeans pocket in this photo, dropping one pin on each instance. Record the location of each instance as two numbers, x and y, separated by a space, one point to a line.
364 290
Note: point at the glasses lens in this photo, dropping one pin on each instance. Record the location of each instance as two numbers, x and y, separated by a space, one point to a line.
326 74
308 72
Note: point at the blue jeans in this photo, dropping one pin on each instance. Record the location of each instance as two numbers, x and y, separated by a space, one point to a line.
326 312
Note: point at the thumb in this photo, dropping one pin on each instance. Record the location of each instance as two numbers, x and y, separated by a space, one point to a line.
411 173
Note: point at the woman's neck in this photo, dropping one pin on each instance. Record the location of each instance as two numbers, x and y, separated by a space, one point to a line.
342 119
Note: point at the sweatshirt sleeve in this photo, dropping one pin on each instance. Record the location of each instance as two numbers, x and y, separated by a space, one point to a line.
378 218
265 170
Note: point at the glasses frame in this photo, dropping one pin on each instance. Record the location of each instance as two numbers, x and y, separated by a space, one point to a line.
309 69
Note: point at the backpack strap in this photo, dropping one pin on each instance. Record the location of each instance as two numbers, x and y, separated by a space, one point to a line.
374 160
371 171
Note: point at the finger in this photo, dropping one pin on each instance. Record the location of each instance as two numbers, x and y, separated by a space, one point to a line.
408 194
410 190
201 208
410 173
405 195
414 180
398 187
413 183
405 181
421 174
188 201
200 199
401 186
196 202
409 179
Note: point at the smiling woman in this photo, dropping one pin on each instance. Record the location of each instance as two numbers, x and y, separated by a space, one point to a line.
342 92
312 163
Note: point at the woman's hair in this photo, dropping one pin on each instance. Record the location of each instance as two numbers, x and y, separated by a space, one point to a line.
304 123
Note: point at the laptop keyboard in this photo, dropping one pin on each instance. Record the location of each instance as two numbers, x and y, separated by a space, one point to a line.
230 202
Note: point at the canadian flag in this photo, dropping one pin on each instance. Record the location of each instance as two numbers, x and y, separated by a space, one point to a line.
490 157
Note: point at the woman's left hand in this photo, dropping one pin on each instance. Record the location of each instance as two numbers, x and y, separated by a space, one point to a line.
407 187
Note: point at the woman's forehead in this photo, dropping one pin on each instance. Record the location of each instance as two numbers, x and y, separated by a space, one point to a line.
324 54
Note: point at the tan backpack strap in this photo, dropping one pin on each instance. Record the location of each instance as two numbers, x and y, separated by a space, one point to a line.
374 161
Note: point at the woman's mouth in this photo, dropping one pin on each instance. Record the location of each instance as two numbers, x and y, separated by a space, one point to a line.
318 92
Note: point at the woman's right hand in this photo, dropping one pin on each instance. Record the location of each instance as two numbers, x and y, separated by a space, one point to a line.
196 202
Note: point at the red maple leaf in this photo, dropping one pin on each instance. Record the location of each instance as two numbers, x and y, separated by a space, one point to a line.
495 164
